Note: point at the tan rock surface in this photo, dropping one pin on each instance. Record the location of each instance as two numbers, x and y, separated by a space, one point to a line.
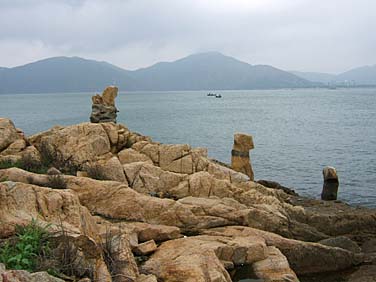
109 95
60 208
24 276
109 169
199 258
15 147
145 248
130 155
303 257
124 264
145 178
275 268
8 133
75 144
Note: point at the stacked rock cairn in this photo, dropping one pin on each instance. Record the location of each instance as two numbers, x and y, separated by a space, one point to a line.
103 108
240 159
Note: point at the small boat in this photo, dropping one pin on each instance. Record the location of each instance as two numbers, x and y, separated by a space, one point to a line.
218 96
211 94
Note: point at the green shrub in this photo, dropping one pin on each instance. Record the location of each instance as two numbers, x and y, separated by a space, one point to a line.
31 243
27 162
6 164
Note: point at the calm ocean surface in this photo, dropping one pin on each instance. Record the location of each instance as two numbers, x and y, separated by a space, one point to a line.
296 132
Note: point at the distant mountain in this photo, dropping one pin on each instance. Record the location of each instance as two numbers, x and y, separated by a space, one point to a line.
359 76
204 71
364 75
315 76
213 70
63 74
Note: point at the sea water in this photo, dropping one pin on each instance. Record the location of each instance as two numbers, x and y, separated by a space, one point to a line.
296 132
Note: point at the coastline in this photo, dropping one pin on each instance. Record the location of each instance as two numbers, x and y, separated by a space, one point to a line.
176 191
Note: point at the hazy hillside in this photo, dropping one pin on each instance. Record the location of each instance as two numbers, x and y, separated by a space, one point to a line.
359 76
205 71
364 75
214 71
63 74
315 76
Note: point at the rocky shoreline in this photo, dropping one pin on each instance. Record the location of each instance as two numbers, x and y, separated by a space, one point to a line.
171 213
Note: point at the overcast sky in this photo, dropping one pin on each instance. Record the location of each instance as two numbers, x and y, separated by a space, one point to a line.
308 35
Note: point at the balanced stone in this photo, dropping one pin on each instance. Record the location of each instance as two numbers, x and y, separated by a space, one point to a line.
331 183
240 159
103 108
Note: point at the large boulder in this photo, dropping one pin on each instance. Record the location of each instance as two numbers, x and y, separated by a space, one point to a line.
8 133
274 268
67 219
202 258
73 145
303 257
148 178
130 155
108 168
24 276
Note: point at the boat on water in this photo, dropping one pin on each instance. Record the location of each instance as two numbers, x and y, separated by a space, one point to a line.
214 95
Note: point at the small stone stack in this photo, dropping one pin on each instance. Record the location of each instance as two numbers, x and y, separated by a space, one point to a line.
240 159
331 184
103 108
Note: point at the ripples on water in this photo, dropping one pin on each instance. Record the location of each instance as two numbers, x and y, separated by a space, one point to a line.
296 132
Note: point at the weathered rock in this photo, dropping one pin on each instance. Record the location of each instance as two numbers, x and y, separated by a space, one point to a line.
331 183
369 246
109 95
24 276
366 273
124 264
149 149
106 169
16 147
146 278
341 242
74 145
22 202
146 178
303 257
118 135
335 218
240 160
145 248
53 171
275 268
8 133
103 108
276 185
199 258
139 231
225 173
127 156
176 158
60 209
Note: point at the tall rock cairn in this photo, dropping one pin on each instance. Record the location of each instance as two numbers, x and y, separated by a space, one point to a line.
240 159
103 108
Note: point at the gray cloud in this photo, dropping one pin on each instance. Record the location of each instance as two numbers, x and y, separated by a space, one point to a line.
310 35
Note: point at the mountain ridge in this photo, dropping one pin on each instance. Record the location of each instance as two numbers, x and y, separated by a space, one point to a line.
364 75
200 71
